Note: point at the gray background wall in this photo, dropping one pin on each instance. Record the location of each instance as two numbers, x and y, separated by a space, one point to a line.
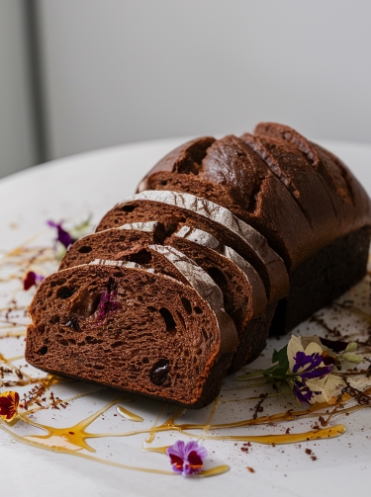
17 149
118 71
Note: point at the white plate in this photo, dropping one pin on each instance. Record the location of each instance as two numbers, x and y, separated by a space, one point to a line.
71 188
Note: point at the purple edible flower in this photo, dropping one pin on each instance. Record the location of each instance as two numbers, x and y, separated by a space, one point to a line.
107 304
62 235
32 279
302 360
309 365
316 373
186 459
311 368
302 392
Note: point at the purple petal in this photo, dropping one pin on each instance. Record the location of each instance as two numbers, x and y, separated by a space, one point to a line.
302 360
62 235
303 394
186 459
193 446
107 304
32 279
177 449
317 373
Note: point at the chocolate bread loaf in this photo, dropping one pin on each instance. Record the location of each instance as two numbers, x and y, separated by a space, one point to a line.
225 240
126 327
309 206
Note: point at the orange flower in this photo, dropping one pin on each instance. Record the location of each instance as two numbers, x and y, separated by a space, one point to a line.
9 402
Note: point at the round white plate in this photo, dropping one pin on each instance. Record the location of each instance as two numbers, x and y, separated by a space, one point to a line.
70 189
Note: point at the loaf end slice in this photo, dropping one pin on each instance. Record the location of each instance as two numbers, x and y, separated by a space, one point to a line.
130 329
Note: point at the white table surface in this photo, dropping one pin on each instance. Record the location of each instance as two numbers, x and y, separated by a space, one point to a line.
69 189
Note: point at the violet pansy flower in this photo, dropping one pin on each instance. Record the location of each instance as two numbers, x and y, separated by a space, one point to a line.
187 459
62 235
308 375
306 365
32 279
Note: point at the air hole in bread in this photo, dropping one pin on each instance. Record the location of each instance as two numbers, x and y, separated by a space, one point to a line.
65 292
141 257
117 344
217 276
160 371
169 320
163 182
98 366
187 305
89 339
128 208
85 249
181 318
43 350
63 342
198 310
62 281
54 320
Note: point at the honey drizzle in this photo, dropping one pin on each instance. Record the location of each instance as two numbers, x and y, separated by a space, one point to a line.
72 438
85 456
289 438
152 433
128 414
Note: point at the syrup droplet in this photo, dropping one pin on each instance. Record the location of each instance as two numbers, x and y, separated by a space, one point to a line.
128 414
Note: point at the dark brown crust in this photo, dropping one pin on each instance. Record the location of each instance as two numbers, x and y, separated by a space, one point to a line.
300 197
324 277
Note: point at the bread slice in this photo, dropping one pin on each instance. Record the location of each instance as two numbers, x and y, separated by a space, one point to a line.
131 328
244 294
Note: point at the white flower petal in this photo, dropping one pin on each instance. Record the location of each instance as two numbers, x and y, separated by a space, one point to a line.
293 347
328 387
313 348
